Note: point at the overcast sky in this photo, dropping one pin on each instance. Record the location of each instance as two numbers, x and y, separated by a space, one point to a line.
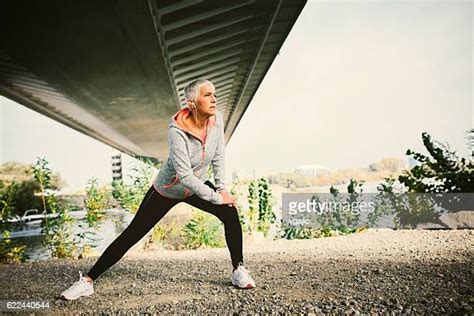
354 82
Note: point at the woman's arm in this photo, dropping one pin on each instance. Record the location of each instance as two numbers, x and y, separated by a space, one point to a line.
180 158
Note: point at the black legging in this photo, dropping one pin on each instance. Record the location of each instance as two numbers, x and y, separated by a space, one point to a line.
152 209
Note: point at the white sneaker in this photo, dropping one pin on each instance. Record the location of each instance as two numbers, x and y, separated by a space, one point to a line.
78 289
241 278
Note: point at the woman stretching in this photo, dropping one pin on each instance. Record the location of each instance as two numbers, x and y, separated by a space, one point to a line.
196 140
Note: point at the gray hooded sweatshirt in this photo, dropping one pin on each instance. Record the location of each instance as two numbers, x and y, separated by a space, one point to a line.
185 170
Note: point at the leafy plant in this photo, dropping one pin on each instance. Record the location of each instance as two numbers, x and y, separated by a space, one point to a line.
442 171
96 202
309 232
21 176
168 235
203 230
266 216
383 201
60 241
259 215
252 212
7 201
339 220
11 252
408 208
305 233
55 231
130 196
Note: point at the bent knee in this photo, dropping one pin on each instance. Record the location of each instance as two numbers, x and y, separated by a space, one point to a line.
230 214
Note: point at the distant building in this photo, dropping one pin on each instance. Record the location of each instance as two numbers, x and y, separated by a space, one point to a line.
116 165
311 170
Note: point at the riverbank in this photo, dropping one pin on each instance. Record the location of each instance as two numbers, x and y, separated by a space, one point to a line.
374 271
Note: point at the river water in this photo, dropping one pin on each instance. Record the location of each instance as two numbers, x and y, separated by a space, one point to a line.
114 222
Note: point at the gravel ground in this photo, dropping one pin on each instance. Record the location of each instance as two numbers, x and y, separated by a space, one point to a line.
379 270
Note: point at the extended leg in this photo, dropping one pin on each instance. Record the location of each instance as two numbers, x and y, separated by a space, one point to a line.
153 207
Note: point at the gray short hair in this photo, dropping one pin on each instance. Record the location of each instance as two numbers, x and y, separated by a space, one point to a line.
191 91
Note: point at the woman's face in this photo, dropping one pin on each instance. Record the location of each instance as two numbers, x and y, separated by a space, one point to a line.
207 100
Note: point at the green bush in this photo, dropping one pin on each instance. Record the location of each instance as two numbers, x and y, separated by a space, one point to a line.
19 196
440 172
203 230
8 200
304 233
96 201
252 212
340 221
22 176
56 235
260 214
168 235
266 216
130 196
11 252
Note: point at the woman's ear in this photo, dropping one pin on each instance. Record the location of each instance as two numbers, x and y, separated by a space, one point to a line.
191 104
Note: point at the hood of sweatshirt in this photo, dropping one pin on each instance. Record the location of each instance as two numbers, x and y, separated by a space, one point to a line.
179 121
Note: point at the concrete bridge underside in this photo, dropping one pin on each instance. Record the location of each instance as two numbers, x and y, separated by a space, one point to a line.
115 70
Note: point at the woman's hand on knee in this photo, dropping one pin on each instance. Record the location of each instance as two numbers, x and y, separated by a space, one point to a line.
228 198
